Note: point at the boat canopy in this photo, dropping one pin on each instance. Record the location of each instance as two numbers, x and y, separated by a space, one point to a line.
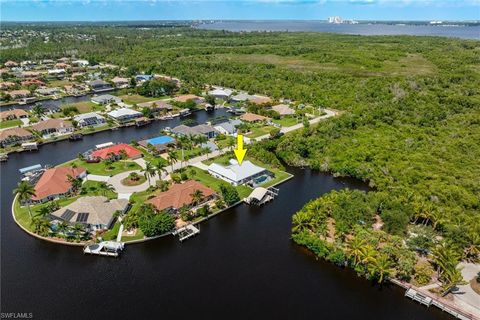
30 169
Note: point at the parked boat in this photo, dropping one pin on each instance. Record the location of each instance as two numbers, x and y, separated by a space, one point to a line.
105 248
75 136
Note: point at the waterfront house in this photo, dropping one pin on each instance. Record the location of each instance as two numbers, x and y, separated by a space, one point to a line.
91 119
253 118
94 212
113 151
47 91
260 100
123 115
236 174
186 97
15 94
158 106
283 110
221 93
56 183
57 73
13 114
120 82
201 129
180 194
54 126
99 85
14 136
228 127
106 99
34 82
241 97
80 63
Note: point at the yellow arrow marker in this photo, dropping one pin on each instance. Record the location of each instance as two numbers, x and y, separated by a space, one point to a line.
240 152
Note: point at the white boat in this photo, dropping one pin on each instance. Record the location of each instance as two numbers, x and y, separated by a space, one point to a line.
105 248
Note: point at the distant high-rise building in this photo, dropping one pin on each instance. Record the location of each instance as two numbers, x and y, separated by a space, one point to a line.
335 19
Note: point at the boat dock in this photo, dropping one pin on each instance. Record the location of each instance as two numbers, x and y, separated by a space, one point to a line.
429 301
186 232
260 196
105 248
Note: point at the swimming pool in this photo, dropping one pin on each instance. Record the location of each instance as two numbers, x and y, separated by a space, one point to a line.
160 140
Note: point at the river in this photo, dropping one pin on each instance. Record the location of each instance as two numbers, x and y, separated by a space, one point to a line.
460 31
242 265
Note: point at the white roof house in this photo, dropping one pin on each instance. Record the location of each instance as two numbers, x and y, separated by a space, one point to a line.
221 93
124 114
236 174
106 98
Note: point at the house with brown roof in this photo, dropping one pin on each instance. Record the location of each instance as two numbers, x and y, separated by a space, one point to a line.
14 136
54 126
55 183
7 84
256 99
13 114
180 195
19 93
120 82
33 82
252 117
158 106
187 97
10 64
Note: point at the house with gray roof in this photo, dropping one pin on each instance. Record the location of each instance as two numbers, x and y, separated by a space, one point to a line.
89 119
201 129
228 127
96 212
106 99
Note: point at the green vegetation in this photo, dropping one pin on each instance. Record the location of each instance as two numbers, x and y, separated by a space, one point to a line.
104 168
10 123
286 121
136 99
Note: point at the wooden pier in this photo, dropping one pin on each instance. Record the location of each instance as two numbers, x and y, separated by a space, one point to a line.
186 232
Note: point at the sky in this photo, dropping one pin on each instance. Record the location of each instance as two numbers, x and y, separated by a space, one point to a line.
116 10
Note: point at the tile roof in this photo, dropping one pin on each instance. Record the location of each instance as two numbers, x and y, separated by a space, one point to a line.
252 117
55 181
52 124
19 132
115 149
179 195
16 113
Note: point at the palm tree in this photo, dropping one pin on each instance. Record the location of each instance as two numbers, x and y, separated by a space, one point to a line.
160 169
197 196
123 156
472 251
41 226
43 212
301 221
25 191
354 249
380 267
63 228
172 158
105 187
78 230
149 171
75 182
38 111
367 254
231 143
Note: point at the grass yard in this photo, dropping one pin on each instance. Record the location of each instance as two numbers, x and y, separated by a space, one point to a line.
10 123
256 132
286 121
225 142
214 183
86 106
112 233
100 168
103 127
94 188
136 99
138 235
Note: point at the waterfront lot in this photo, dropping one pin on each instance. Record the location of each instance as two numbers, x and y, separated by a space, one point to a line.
136 98
104 169
10 123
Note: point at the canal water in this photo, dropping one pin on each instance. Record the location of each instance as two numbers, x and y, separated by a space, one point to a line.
242 265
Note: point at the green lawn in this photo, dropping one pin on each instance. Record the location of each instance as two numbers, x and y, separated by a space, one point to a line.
286 121
225 142
259 131
100 168
139 235
188 153
10 123
112 233
136 99
95 129
93 188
